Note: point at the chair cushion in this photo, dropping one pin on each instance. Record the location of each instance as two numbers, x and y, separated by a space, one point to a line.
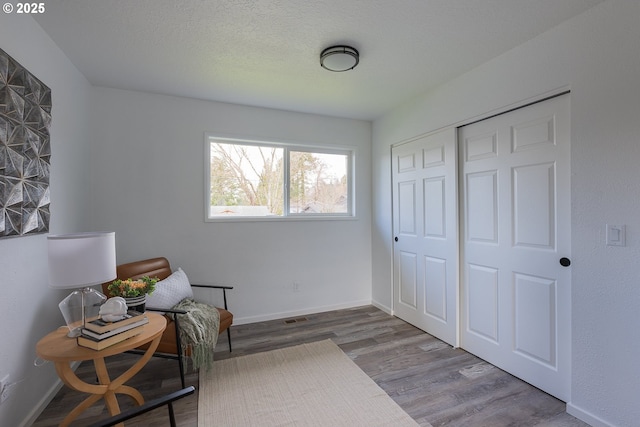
226 319
170 291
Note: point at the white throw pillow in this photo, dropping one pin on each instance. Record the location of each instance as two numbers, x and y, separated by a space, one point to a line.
170 291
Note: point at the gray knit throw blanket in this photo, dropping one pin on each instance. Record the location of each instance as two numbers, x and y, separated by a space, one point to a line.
198 331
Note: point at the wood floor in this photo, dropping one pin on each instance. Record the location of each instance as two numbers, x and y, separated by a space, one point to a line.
431 381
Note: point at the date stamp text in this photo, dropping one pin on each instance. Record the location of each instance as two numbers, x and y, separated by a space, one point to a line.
23 8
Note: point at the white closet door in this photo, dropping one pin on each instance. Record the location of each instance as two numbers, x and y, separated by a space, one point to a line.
425 234
515 229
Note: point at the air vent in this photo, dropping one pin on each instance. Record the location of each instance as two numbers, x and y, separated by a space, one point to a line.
299 319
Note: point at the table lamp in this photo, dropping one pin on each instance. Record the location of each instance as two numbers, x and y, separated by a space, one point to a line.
81 260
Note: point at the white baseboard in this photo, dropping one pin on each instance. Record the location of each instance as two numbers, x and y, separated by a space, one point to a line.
46 399
586 416
382 307
302 312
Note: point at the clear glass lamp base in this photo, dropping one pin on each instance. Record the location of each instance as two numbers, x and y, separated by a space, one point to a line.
80 305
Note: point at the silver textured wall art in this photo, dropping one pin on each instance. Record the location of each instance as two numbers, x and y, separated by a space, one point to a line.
25 150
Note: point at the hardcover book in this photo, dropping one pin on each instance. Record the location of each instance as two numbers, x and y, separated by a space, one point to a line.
100 326
104 335
96 344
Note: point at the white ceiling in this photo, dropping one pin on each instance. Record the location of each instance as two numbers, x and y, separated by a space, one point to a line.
266 52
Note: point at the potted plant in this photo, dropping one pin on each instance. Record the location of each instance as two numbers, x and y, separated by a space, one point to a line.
133 291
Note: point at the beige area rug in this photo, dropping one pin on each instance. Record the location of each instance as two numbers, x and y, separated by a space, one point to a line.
312 384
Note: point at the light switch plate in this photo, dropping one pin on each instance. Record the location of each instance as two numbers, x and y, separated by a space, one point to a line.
616 235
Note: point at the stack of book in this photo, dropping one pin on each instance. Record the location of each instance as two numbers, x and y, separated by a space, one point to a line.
98 334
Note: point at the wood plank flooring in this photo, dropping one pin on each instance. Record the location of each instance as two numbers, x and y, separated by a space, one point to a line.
431 381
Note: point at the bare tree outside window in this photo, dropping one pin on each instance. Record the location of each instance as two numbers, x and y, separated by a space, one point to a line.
246 175
318 183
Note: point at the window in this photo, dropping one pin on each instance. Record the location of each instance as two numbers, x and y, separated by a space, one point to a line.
249 179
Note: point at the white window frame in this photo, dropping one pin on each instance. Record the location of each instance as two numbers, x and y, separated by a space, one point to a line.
287 146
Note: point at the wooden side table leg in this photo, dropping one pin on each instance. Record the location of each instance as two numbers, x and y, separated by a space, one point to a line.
69 377
117 385
61 350
132 393
109 396
126 376
80 409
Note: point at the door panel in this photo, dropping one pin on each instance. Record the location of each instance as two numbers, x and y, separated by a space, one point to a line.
483 301
435 209
407 210
408 280
534 305
435 278
482 206
515 226
533 202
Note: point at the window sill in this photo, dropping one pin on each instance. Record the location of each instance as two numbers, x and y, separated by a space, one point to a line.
282 218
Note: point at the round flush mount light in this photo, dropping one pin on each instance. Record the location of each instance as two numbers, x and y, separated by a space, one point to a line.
339 58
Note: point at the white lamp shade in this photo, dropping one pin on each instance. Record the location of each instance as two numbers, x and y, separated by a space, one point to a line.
81 259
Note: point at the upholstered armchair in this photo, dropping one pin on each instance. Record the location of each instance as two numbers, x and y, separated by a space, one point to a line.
170 347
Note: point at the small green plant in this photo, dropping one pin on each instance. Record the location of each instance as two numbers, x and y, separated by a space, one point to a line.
132 288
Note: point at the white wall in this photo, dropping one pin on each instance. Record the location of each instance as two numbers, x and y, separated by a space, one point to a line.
28 308
147 171
597 55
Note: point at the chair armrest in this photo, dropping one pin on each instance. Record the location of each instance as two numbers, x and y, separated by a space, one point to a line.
223 287
166 310
195 285
146 407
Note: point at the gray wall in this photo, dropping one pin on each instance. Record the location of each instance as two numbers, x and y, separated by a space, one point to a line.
147 172
133 163
145 177
29 309
596 55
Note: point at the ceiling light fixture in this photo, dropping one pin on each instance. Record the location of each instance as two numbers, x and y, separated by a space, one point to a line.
339 58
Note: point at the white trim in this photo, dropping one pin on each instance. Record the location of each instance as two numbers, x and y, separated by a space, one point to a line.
303 312
329 217
384 308
345 150
586 416
35 412
495 112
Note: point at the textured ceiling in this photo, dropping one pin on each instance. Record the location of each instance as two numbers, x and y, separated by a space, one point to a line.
266 52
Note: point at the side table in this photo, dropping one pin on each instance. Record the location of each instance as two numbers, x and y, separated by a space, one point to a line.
63 350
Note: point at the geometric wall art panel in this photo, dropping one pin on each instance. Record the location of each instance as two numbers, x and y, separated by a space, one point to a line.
25 150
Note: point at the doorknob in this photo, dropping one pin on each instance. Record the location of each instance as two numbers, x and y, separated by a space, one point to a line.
396 239
565 262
